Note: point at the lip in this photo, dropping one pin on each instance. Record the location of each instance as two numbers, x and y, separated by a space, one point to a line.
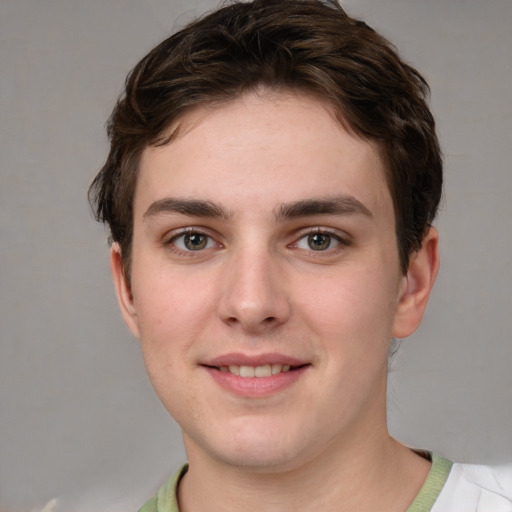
238 359
255 387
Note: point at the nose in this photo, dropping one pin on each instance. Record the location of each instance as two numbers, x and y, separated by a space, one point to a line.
254 297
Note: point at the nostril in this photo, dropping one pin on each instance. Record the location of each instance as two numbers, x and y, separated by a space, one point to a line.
265 323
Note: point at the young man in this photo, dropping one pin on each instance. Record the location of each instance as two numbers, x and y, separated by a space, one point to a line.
273 176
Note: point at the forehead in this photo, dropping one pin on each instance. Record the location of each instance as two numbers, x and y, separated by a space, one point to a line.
266 148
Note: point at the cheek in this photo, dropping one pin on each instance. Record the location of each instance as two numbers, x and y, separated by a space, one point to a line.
171 302
169 318
353 304
352 319
172 311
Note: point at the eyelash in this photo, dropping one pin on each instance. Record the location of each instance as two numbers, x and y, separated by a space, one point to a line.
171 242
340 242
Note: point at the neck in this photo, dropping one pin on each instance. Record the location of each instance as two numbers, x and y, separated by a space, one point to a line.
377 473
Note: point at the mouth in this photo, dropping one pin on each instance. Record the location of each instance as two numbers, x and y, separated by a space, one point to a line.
260 371
256 376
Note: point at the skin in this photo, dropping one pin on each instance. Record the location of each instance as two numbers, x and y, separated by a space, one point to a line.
320 285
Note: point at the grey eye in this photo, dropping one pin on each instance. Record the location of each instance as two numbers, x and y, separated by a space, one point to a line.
319 241
193 241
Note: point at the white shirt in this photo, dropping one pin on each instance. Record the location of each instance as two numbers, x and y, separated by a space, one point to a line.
474 488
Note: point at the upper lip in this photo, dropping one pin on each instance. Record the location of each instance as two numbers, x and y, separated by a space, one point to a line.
238 359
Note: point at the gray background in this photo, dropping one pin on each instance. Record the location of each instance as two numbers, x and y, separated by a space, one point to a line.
78 418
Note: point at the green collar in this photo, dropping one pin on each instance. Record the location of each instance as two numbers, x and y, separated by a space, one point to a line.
166 498
433 485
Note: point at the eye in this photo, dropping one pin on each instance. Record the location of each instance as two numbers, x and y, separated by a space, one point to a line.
319 241
192 241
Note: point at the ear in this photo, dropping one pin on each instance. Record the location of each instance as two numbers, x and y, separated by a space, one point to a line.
417 285
123 290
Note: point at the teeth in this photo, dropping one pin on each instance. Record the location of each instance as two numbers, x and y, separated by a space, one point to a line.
265 370
247 371
235 370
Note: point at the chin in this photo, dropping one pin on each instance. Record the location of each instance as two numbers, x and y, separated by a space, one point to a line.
260 460
258 449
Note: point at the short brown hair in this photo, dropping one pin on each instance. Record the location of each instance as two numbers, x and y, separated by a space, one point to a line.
311 46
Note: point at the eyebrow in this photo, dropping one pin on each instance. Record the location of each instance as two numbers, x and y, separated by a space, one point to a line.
191 207
336 205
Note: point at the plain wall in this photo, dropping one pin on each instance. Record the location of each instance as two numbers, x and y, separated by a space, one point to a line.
78 418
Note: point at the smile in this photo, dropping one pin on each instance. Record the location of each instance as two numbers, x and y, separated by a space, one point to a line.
266 370
256 381
256 376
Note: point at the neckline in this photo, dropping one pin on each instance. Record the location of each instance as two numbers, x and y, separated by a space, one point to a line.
433 485
424 500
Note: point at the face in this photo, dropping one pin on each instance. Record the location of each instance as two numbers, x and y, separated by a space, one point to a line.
265 281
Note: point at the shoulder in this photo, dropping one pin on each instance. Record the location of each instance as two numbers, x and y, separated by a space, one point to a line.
475 488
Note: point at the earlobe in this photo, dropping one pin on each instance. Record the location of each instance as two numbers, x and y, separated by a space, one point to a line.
123 290
418 283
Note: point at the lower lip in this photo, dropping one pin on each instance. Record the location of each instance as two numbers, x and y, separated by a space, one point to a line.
254 387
